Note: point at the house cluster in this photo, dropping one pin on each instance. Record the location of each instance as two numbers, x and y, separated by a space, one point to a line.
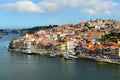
71 36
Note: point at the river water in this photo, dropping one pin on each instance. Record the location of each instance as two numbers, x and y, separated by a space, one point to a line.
17 66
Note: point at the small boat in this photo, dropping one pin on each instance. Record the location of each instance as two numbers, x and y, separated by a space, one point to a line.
27 52
53 55
68 58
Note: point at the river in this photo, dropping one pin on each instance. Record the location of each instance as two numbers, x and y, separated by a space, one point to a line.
17 66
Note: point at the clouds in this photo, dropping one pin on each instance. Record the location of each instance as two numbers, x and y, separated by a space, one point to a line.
22 6
90 7
99 6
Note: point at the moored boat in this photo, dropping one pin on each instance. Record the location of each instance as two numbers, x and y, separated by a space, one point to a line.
27 52
68 58
53 55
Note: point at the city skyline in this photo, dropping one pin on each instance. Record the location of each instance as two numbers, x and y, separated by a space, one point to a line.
30 13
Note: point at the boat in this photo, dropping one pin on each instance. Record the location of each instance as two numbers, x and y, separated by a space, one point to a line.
68 58
53 55
27 52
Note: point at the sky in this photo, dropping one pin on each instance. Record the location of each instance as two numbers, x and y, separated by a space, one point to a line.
30 13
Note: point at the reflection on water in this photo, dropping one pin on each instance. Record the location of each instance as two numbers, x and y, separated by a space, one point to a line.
17 66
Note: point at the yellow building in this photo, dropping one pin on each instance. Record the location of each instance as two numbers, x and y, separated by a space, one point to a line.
66 46
63 47
119 48
70 45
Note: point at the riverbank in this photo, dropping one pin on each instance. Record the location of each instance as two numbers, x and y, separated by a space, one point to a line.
47 53
98 59
69 56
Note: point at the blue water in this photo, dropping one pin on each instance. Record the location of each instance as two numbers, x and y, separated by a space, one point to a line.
17 66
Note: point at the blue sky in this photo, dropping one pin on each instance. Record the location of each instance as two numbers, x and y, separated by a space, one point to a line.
30 13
